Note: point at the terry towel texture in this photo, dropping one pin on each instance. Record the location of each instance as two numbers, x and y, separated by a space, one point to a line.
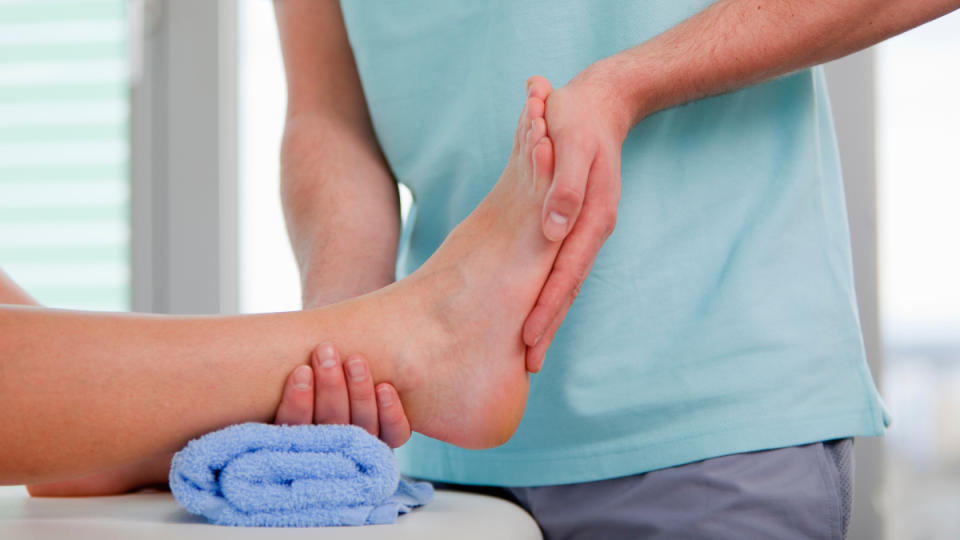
292 476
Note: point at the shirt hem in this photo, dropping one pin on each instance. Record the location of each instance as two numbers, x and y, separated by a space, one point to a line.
542 468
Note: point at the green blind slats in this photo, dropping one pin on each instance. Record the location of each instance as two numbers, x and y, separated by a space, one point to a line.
64 153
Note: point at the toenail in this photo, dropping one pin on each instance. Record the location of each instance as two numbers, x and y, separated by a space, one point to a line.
357 370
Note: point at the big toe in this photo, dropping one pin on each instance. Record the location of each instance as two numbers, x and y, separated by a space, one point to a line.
538 87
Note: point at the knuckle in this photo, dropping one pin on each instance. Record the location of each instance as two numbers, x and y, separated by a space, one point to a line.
568 194
304 409
575 291
332 381
361 392
568 288
393 417
608 222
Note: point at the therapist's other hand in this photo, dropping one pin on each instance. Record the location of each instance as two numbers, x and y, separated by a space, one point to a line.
587 126
332 390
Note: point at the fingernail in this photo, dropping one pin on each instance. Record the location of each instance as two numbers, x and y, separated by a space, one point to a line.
384 397
357 370
301 377
556 226
537 339
327 355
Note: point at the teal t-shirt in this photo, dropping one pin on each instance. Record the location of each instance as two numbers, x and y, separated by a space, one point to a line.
720 316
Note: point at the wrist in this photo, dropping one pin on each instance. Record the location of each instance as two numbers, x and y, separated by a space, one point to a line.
626 89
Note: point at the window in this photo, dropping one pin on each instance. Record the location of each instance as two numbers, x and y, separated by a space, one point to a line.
919 190
63 151
268 274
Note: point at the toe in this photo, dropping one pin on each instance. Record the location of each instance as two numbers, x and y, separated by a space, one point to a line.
538 129
535 108
521 129
538 87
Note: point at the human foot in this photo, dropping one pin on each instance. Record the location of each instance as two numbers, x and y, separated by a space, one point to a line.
463 378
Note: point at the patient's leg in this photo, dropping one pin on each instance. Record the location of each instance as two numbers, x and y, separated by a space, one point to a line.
82 392
312 394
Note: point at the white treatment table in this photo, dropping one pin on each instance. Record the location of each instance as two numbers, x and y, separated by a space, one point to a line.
451 515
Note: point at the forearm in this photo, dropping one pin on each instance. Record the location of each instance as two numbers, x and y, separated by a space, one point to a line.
341 206
735 43
339 197
82 392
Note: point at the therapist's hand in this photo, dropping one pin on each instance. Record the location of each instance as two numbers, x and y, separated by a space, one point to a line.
587 125
333 390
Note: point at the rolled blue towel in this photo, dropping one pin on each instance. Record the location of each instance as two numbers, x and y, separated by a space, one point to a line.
292 476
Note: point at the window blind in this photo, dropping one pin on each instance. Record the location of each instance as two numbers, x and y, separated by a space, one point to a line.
64 190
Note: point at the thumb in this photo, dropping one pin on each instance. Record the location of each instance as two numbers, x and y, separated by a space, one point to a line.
565 196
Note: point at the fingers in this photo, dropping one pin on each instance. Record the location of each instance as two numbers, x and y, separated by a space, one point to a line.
394 426
571 267
363 403
296 404
565 197
335 392
332 405
345 395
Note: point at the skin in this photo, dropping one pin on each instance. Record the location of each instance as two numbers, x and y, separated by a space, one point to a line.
320 393
447 337
333 173
729 45
589 118
311 394
607 98
330 159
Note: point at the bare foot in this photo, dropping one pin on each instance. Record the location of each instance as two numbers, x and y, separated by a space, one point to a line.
463 379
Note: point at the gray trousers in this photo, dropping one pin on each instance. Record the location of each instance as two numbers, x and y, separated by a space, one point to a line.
800 492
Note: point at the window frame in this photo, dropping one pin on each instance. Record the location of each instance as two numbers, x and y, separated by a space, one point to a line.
183 133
